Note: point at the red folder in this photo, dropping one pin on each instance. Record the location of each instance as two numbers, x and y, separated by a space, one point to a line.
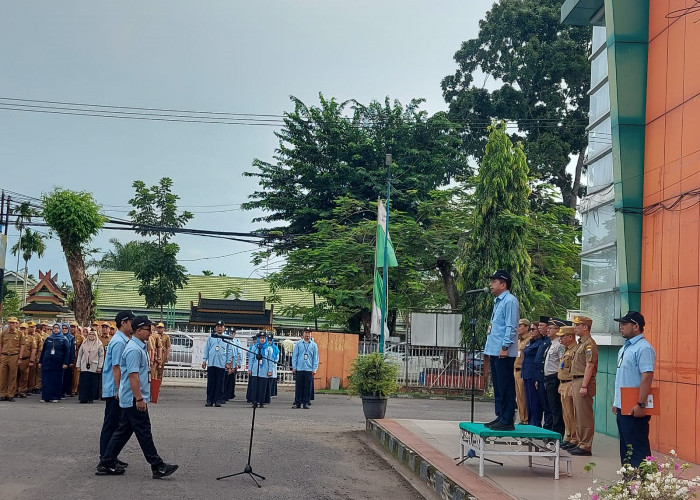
630 397
155 388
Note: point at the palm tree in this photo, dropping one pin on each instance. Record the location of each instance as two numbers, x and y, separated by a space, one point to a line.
123 257
29 244
24 213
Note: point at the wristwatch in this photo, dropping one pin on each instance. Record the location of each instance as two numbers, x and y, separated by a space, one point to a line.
642 405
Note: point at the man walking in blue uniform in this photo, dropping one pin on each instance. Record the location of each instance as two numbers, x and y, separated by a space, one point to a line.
111 379
134 396
216 360
502 348
304 366
635 368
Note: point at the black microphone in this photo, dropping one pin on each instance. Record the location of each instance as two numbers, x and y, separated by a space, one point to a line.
477 290
221 336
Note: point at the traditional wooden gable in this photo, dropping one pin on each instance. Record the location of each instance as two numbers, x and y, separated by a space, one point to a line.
235 313
46 298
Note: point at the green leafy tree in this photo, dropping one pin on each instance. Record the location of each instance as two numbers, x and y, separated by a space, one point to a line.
338 150
122 256
498 237
30 243
543 71
155 211
76 219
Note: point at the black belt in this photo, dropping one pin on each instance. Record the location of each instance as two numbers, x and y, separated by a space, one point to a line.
552 375
565 381
577 376
518 369
27 357
7 354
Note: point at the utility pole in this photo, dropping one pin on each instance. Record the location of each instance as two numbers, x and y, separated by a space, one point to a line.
385 276
4 221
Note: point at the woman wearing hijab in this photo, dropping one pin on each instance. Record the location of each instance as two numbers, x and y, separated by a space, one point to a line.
54 359
91 357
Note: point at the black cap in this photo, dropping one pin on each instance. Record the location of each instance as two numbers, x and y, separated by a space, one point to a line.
123 316
544 319
140 321
220 323
632 317
261 334
501 274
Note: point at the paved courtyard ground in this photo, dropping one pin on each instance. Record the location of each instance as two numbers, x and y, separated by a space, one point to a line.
51 450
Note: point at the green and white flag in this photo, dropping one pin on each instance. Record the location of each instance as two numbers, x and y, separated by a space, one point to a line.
383 239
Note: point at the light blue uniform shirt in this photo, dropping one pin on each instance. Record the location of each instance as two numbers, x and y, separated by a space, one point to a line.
134 360
259 368
217 353
305 356
236 352
504 325
637 356
113 357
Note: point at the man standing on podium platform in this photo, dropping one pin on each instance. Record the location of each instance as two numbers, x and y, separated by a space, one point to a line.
501 348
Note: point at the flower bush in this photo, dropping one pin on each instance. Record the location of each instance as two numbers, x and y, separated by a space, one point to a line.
652 480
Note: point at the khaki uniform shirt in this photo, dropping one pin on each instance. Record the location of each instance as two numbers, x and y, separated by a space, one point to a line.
30 344
564 374
521 345
586 352
166 347
153 346
11 342
104 340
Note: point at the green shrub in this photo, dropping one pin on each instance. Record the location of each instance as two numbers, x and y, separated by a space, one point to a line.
373 375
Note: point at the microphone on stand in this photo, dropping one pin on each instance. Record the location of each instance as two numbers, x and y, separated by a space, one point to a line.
221 336
478 290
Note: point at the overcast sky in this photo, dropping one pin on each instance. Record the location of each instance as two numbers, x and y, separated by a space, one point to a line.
222 56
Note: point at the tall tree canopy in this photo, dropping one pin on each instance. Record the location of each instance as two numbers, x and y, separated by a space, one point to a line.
122 256
498 238
155 211
543 71
337 150
76 219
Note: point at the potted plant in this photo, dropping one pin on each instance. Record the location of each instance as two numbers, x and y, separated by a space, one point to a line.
373 377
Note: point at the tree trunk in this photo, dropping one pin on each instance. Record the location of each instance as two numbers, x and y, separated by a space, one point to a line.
82 288
448 281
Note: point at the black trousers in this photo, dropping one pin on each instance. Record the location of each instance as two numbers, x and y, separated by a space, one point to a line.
551 388
215 384
113 414
89 386
634 432
544 402
302 387
503 388
230 385
132 422
68 381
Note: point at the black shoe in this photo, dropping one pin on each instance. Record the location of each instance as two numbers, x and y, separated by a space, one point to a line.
10 399
121 464
492 422
217 405
22 396
261 405
208 404
502 427
566 445
296 407
306 407
580 452
103 470
163 470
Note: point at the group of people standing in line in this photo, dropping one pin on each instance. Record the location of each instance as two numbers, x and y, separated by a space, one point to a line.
548 367
224 355
63 360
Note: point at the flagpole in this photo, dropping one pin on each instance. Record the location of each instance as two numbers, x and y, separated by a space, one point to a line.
385 276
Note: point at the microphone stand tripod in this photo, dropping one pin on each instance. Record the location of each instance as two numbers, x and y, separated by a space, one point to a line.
248 469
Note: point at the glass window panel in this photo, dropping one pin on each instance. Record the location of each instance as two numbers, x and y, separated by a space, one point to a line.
599 138
599 270
599 174
600 103
602 308
599 68
598 227
599 36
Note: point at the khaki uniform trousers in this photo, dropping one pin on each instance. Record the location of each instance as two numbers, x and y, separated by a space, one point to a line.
37 383
154 371
31 380
23 377
76 379
583 413
159 372
520 396
567 407
8 375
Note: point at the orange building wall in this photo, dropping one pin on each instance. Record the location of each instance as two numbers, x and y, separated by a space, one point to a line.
671 239
336 352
